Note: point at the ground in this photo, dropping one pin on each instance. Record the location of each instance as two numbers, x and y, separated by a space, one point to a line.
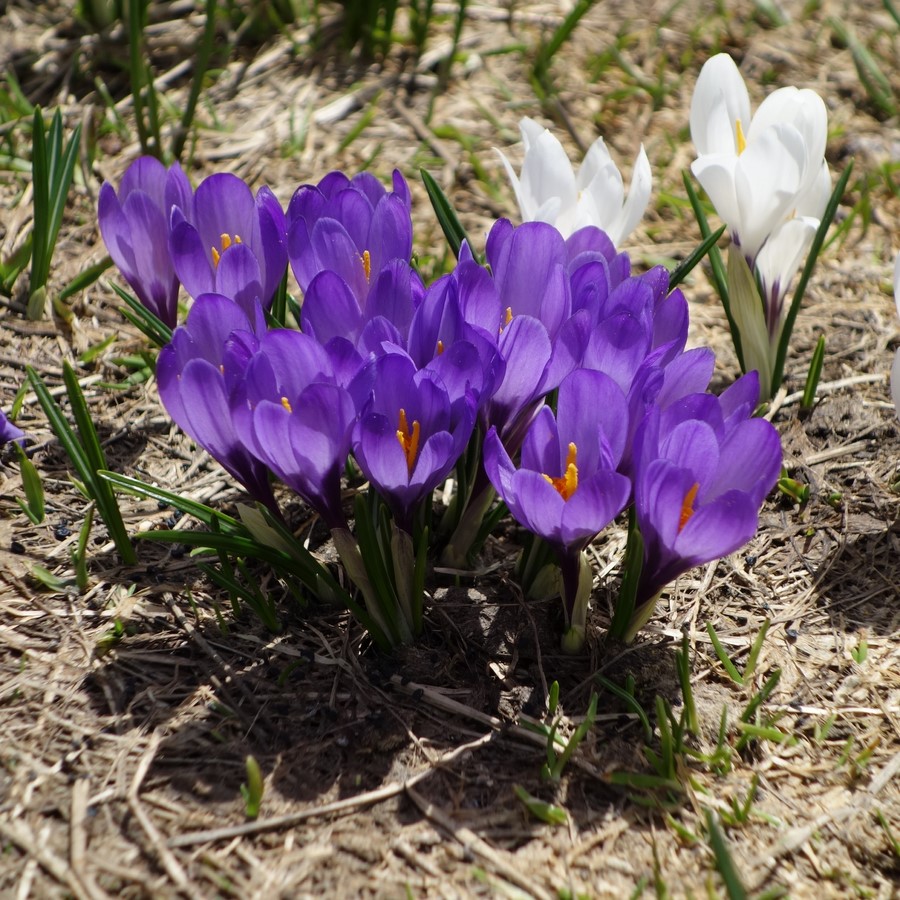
128 709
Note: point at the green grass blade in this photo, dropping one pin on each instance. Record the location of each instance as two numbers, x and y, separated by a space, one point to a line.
446 214
201 65
33 507
724 658
147 322
724 863
720 280
677 275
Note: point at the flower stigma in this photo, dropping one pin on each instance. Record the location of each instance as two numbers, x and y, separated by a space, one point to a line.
227 240
687 506
409 440
567 483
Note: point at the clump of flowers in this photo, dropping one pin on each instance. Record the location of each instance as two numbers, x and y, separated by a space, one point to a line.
554 379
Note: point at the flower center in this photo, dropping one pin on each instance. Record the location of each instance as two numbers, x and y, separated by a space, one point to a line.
409 439
687 506
566 483
366 261
739 138
227 240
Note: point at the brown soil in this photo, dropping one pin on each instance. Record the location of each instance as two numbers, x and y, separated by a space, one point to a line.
127 711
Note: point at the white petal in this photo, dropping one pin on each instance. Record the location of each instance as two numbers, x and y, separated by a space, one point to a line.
517 187
597 160
814 199
716 173
546 174
777 263
897 283
895 383
768 178
530 131
636 203
719 100
804 109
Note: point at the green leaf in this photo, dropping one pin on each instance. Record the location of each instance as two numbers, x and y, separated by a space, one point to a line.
33 507
733 885
677 275
446 215
546 812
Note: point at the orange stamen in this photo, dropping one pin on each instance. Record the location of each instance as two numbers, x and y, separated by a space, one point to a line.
567 483
409 440
740 140
286 404
687 506
440 348
366 264
227 240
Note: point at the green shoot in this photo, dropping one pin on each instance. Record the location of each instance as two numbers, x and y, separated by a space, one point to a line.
446 214
540 809
556 762
677 275
813 376
79 552
252 791
33 504
734 887
540 70
201 65
86 454
53 166
797 491
143 91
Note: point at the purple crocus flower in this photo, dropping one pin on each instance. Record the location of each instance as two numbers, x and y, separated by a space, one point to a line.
134 224
414 425
702 470
230 242
296 419
9 431
352 227
198 374
566 489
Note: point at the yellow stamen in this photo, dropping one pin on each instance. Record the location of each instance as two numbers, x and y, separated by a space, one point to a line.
440 348
508 317
409 440
567 483
366 263
739 137
286 404
687 506
226 240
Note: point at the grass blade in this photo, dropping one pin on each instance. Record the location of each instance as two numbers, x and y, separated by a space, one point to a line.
446 214
677 275
724 863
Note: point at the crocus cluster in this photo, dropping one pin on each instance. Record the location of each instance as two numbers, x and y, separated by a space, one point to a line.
767 177
553 377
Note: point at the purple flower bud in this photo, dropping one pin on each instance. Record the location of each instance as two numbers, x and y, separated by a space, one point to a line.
134 223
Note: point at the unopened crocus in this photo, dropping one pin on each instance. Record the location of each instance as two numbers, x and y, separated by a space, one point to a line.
549 190
566 489
703 467
134 223
295 418
230 243
414 424
199 372
352 227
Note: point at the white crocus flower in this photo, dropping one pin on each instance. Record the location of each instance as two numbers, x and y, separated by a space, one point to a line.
767 177
549 190
895 371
